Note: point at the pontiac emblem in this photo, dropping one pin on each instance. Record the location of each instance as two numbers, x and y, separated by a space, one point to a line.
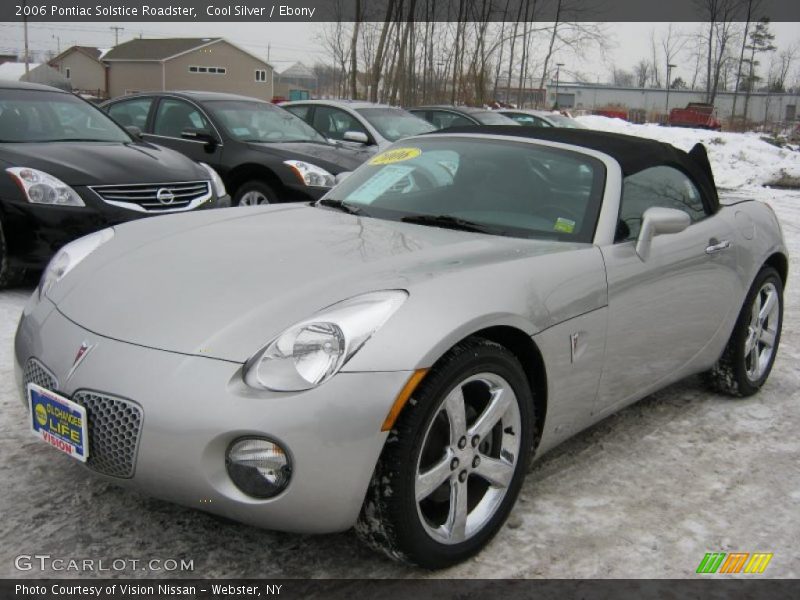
82 353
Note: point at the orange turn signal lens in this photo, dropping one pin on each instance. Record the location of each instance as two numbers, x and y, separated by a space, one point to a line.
402 398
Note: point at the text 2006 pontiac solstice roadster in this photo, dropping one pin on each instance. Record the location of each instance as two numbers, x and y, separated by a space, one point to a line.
392 356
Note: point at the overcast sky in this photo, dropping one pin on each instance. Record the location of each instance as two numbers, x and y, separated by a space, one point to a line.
289 42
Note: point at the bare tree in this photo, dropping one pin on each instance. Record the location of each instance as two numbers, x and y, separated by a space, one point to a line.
641 73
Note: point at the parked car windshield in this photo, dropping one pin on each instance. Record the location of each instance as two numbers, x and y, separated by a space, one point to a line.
395 123
249 121
40 116
488 117
510 188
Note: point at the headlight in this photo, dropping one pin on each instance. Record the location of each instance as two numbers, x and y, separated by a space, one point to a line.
69 256
312 351
42 188
216 180
311 175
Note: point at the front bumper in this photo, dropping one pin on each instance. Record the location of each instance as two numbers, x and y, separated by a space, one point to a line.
194 407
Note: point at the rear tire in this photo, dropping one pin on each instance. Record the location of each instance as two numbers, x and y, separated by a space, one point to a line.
747 360
9 276
254 193
444 485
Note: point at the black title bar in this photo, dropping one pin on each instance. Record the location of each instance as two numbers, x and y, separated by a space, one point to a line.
395 10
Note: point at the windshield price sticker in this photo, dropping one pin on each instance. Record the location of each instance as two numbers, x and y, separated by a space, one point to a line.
395 155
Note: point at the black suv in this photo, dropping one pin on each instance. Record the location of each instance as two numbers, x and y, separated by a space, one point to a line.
264 153
67 170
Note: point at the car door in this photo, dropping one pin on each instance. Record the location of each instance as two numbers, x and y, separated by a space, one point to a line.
664 310
333 123
174 116
133 112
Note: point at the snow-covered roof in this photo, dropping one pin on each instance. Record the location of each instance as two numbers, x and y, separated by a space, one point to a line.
298 71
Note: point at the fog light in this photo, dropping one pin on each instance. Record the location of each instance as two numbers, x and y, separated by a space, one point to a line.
258 467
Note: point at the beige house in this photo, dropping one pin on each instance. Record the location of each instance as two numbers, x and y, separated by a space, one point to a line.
207 64
83 67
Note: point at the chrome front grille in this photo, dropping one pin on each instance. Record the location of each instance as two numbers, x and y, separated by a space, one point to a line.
114 424
155 197
36 372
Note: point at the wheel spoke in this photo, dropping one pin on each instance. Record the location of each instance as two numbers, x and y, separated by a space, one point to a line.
494 411
496 471
754 355
434 477
749 341
454 406
756 311
457 516
767 338
769 304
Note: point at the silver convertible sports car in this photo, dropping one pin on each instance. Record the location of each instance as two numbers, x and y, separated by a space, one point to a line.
392 356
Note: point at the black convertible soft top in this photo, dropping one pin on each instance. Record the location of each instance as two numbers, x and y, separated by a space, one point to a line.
633 154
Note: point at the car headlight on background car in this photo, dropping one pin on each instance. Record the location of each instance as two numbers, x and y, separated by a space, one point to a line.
216 180
69 256
311 175
42 188
310 352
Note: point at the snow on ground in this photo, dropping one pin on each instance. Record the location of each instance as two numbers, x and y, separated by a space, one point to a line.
737 159
646 493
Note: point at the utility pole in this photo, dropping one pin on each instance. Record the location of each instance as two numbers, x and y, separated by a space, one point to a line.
670 66
116 30
58 43
558 74
25 24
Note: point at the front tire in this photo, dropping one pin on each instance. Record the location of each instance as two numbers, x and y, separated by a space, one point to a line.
747 360
254 193
454 463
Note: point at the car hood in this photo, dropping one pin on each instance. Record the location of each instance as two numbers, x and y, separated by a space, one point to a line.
96 163
333 159
224 283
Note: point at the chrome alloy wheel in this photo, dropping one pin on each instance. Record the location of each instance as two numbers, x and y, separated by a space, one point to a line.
468 458
759 344
253 198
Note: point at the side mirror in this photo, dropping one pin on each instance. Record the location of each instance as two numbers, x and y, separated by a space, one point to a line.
135 132
200 135
355 136
657 221
342 176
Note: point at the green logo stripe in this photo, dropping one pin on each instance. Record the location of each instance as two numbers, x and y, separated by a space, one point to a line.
711 562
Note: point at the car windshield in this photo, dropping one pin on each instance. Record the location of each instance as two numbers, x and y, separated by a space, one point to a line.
510 188
395 123
40 116
249 121
488 117
562 121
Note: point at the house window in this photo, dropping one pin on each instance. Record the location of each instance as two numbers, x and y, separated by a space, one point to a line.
212 70
261 75
67 73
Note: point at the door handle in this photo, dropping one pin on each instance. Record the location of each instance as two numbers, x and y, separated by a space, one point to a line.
717 246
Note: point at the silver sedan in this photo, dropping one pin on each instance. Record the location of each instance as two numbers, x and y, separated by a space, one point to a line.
393 356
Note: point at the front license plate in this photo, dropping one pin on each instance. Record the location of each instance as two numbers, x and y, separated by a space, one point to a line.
58 421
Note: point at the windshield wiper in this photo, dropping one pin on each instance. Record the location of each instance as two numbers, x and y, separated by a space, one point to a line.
341 205
447 222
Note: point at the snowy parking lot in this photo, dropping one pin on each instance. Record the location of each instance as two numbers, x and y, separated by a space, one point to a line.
645 493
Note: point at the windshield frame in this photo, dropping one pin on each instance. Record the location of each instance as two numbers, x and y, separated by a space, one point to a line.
601 193
34 95
209 105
